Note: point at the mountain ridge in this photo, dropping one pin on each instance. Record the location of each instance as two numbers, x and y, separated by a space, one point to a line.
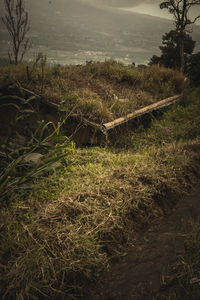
72 27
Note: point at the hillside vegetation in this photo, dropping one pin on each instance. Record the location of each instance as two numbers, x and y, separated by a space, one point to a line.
80 216
98 91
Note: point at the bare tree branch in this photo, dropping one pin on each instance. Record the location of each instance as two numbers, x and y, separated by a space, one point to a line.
17 23
194 21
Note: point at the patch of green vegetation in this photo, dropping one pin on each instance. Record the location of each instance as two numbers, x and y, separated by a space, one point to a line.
83 214
22 162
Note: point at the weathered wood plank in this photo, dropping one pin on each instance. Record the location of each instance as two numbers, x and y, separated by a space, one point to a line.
155 106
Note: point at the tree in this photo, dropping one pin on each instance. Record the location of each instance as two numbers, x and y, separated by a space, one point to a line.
180 11
170 49
17 24
155 60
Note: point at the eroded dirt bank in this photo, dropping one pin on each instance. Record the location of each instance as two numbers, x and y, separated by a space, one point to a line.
142 273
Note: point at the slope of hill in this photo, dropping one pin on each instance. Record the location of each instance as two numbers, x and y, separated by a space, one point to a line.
71 31
99 92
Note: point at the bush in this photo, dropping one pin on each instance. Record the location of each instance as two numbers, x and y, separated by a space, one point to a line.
193 69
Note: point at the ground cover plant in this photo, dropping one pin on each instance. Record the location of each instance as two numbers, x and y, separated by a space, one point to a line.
26 149
82 216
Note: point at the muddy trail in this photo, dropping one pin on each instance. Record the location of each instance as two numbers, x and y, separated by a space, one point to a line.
142 274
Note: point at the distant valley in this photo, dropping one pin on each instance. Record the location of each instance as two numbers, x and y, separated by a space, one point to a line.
70 32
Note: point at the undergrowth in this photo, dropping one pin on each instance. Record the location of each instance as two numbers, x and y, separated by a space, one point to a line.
183 279
188 271
84 214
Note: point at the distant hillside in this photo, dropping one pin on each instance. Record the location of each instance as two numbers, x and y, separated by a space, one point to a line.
75 28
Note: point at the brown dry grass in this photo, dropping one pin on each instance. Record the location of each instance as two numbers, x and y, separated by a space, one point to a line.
59 237
55 240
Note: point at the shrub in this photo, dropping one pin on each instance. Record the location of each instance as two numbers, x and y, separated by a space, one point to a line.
193 69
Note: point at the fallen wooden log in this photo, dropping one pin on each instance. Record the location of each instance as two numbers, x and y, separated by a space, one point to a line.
153 107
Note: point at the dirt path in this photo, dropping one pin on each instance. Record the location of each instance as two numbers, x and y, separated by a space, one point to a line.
139 274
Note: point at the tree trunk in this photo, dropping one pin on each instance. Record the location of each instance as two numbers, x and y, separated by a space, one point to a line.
182 58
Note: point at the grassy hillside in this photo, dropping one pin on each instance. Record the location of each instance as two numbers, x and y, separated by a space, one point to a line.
98 91
56 238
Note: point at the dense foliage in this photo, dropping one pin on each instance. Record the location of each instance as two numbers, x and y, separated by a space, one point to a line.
193 69
170 50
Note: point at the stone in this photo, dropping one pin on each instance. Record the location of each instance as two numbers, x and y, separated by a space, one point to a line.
33 158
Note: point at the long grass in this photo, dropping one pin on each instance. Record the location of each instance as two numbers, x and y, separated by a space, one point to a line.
83 215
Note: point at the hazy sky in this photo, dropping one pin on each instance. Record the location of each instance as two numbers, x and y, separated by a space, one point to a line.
120 3
150 7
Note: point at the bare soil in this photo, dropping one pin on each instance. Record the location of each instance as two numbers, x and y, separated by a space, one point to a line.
141 274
